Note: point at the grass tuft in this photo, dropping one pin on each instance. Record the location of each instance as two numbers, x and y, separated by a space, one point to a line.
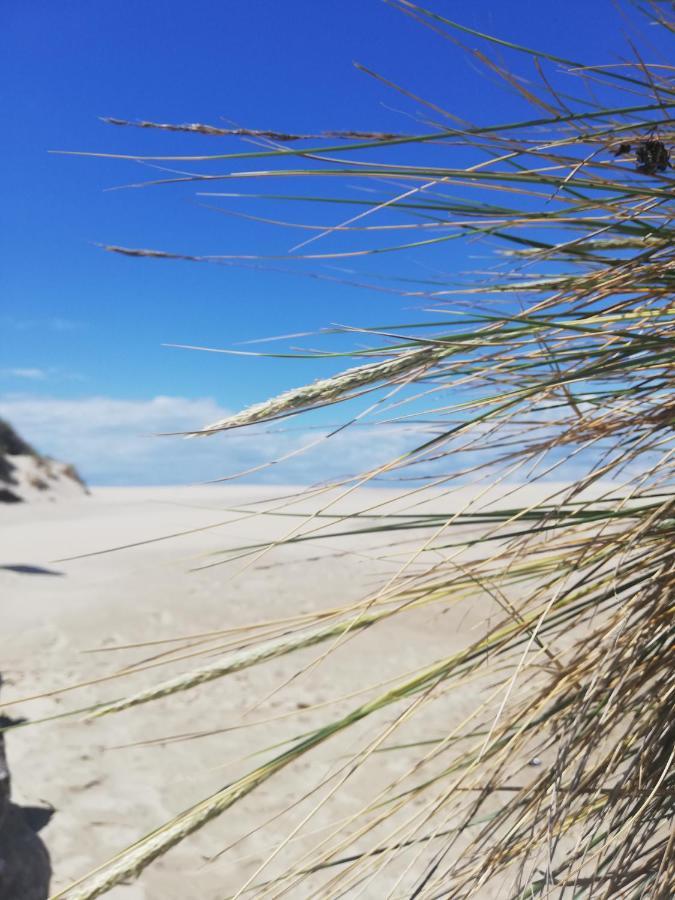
556 366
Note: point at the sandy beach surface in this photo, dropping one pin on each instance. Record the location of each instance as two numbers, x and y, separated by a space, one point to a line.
113 779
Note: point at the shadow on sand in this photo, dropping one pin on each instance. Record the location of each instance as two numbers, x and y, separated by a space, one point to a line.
22 569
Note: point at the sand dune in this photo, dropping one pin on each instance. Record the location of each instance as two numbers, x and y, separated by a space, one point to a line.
26 475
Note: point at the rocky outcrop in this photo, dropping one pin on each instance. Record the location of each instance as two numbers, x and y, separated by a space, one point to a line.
25 869
26 475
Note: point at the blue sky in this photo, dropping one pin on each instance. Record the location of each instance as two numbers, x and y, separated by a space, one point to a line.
82 368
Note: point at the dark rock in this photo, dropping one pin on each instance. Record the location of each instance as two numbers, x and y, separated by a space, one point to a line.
25 868
4 782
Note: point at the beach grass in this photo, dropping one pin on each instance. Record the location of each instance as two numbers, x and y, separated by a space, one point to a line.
552 364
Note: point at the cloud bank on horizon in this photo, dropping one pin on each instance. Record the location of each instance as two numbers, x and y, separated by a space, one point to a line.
114 441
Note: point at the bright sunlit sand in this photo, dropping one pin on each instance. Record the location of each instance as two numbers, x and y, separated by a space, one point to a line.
113 781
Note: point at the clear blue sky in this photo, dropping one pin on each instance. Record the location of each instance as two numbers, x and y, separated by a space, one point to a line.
77 323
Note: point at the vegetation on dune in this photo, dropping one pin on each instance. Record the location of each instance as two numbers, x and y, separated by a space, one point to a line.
556 363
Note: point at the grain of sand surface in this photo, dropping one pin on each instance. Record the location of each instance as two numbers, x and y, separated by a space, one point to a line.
112 779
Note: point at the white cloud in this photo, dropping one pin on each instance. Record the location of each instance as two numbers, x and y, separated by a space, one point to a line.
125 442
30 373
118 441
49 323
35 373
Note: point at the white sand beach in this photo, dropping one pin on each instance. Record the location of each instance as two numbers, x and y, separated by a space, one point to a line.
113 779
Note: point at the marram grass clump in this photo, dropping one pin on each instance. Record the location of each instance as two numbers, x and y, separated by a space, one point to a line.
557 366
